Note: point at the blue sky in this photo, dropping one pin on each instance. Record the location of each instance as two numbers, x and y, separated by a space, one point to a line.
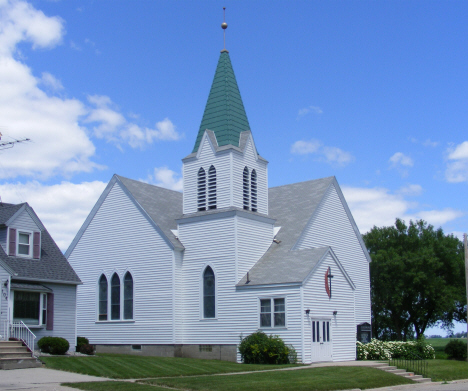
373 92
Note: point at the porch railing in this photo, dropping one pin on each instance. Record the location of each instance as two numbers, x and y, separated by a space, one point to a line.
21 332
417 365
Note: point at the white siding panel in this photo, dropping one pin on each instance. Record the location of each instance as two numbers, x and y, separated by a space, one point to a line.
330 226
4 276
253 240
343 328
120 238
64 315
24 221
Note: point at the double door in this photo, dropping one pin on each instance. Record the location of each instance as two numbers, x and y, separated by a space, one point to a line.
321 340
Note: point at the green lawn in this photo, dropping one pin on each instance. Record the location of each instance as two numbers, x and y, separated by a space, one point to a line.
440 370
328 378
121 366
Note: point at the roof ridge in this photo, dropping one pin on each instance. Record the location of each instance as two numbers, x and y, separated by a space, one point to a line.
298 183
146 183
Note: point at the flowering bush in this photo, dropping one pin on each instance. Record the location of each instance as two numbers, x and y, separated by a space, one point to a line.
380 350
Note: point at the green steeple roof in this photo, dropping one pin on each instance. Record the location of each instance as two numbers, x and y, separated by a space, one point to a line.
224 111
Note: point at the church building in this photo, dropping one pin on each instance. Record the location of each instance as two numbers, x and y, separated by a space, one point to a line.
189 274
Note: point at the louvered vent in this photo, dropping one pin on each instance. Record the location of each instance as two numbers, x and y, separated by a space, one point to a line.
246 189
212 188
253 190
201 189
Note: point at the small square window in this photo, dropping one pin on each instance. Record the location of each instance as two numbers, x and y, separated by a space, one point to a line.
205 348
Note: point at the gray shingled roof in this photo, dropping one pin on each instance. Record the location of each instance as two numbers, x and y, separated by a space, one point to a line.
292 206
164 206
51 267
7 211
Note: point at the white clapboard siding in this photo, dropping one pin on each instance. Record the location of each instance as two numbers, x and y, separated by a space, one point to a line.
120 239
315 298
330 226
24 221
222 163
4 276
253 240
64 315
248 159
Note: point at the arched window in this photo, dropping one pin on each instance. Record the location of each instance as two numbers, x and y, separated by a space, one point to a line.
253 190
212 188
209 293
115 297
201 189
102 298
246 197
128 296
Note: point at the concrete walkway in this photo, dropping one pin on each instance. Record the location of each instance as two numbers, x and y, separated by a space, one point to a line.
43 379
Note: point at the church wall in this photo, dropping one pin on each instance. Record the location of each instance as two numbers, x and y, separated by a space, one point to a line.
222 163
330 226
120 238
343 329
240 161
253 240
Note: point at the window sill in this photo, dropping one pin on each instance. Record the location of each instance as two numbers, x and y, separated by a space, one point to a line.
208 319
36 326
115 321
273 328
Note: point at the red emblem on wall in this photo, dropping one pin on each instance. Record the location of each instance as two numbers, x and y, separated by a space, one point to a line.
328 285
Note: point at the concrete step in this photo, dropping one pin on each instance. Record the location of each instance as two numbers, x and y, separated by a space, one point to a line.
396 371
423 380
15 355
17 349
387 368
19 363
10 344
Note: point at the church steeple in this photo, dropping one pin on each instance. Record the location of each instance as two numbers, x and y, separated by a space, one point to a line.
224 111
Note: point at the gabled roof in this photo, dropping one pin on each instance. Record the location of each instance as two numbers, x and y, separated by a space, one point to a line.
224 111
161 207
52 266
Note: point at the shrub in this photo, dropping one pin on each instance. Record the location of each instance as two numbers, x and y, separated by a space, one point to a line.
259 348
379 350
80 341
53 345
87 349
456 350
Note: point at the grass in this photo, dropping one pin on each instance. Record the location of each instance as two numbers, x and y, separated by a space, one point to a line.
121 366
328 378
445 370
439 345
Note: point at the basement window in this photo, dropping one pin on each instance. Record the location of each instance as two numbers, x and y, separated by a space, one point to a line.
136 347
205 348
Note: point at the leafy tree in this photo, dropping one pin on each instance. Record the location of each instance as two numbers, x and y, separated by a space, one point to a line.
417 279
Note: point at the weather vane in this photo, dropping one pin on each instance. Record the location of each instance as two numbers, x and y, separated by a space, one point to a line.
224 26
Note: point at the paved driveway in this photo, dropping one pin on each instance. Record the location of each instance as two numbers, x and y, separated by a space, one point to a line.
41 379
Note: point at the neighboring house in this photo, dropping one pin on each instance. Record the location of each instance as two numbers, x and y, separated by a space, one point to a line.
38 285
189 274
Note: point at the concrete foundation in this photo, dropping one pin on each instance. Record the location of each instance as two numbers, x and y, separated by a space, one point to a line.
209 352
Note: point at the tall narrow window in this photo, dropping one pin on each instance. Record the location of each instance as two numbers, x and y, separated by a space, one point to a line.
115 297
128 296
265 313
212 188
103 298
246 189
209 293
253 190
201 189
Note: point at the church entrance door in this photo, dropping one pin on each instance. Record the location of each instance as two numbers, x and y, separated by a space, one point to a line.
321 340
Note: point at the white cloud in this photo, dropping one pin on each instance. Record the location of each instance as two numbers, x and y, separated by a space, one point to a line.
332 155
457 167
379 207
62 208
50 81
411 190
307 110
167 178
400 159
430 143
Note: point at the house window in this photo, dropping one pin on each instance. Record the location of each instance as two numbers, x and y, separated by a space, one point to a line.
201 202
209 293
115 297
102 298
253 190
128 296
245 187
212 188
273 312
24 244
30 307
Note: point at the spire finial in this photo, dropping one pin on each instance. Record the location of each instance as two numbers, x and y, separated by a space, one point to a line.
224 26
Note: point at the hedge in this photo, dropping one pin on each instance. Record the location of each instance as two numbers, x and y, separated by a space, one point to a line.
380 350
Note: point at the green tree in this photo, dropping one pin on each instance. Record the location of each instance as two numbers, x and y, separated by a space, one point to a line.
417 279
